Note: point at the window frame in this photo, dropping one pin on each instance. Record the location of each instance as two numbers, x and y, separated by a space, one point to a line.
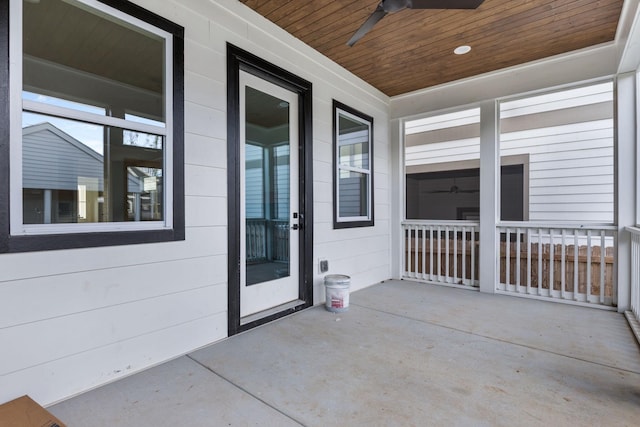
352 221
18 237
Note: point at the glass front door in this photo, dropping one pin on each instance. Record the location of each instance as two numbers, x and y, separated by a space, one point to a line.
269 275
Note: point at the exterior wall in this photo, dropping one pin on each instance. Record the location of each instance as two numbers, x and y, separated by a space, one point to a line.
570 171
75 319
564 138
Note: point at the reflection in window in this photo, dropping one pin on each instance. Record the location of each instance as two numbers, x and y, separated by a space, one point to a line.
58 102
353 191
70 180
254 181
79 164
144 140
66 64
353 188
144 193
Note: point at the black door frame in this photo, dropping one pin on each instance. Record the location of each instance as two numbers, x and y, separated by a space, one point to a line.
238 59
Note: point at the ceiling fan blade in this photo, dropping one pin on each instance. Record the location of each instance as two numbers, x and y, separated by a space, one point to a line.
444 4
375 17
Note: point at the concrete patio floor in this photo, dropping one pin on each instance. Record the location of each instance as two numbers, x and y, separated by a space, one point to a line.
405 354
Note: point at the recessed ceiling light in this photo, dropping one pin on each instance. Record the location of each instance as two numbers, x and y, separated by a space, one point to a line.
461 50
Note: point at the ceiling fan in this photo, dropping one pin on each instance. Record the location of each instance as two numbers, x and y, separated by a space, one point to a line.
391 6
454 189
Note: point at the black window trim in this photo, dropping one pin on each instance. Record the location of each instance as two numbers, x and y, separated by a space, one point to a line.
358 223
29 243
237 60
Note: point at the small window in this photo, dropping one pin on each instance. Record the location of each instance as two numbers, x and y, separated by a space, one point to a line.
353 167
96 130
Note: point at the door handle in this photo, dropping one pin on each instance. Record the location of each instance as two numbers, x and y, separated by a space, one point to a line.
296 227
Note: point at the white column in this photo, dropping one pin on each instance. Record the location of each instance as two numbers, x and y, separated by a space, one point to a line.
396 195
626 180
489 196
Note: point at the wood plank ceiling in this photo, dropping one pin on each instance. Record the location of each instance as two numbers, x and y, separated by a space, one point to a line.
413 49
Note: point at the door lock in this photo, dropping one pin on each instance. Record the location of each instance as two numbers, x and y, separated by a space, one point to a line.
296 227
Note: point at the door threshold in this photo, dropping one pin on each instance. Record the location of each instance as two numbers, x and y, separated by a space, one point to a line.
270 311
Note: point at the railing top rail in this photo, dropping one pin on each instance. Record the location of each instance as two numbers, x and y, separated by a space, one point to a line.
556 225
461 223
633 230
521 224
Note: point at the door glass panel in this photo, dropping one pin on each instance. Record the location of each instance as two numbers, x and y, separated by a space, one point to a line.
267 191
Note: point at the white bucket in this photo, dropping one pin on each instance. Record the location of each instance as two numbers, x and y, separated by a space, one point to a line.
337 292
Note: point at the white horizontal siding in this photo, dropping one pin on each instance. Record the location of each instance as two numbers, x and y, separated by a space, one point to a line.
572 181
566 133
574 163
448 120
568 217
115 286
570 189
554 101
598 198
442 152
73 333
204 211
16 267
591 175
116 310
602 153
93 367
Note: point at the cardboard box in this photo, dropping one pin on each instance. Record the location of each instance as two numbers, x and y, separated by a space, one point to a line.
24 412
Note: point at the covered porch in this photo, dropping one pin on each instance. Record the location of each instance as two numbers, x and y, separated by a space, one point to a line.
406 353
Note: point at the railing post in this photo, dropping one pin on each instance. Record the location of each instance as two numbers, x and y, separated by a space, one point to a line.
489 197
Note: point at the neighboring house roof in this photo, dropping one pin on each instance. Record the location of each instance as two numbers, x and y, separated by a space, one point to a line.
53 159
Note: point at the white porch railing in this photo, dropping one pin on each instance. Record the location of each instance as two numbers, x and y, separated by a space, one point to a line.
256 240
635 272
267 240
567 262
441 252
280 248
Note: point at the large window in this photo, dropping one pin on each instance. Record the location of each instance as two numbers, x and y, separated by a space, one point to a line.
96 126
353 167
